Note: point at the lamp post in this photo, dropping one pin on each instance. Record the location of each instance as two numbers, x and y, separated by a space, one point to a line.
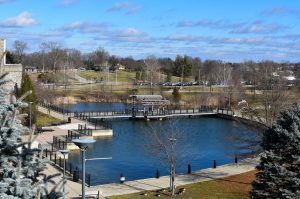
64 152
30 105
83 145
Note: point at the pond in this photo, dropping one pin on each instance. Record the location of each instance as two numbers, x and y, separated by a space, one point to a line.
204 139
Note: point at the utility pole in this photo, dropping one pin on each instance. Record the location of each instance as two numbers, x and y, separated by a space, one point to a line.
43 61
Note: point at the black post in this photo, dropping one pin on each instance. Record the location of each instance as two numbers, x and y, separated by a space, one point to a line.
88 179
157 173
215 164
189 169
59 161
235 159
71 168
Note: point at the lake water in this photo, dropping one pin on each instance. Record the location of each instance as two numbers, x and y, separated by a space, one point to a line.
203 140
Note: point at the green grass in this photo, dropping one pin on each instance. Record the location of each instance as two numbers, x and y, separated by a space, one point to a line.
234 187
45 120
120 75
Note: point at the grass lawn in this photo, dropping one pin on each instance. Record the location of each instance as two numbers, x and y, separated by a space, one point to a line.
45 120
234 187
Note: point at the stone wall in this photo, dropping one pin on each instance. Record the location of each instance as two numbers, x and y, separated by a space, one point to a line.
2 48
14 70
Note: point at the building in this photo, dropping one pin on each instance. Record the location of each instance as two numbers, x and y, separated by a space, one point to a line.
14 70
30 69
150 101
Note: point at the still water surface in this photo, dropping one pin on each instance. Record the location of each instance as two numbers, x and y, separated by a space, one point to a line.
207 139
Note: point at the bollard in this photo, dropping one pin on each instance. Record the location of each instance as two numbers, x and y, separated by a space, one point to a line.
76 175
189 169
88 179
122 178
215 164
157 173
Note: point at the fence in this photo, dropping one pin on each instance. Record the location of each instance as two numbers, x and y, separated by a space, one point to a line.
71 169
56 108
144 112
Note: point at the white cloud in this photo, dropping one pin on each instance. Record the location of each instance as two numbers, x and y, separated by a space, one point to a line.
6 1
67 2
130 8
259 27
85 27
24 19
126 35
118 7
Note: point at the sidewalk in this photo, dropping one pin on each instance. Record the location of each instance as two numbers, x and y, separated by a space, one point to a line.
57 115
74 189
183 179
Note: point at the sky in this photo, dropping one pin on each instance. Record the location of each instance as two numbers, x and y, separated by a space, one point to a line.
228 30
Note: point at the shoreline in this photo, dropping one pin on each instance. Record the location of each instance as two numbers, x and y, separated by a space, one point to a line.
150 184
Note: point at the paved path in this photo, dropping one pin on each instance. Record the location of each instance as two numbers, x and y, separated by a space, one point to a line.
73 189
184 179
57 115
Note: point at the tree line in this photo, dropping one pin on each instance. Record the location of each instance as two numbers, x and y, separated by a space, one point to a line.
52 56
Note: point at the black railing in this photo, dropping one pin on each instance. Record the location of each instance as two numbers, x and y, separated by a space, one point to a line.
144 112
53 107
71 169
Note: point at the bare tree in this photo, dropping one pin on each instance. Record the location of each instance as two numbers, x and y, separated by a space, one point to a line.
74 58
101 56
55 53
152 70
196 68
19 50
166 142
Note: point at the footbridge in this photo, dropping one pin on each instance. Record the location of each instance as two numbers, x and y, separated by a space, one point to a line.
157 114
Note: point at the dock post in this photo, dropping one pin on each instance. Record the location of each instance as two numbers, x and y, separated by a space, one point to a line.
189 169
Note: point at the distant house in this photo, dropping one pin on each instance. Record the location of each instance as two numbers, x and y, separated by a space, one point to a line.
120 67
30 69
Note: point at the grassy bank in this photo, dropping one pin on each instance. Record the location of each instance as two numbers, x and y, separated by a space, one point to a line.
233 187
45 120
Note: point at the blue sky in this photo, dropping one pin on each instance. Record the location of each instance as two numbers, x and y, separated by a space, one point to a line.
229 30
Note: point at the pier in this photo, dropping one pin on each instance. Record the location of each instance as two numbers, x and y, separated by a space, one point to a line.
144 114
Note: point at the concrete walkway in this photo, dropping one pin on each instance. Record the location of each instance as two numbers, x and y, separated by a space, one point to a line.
73 189
184 179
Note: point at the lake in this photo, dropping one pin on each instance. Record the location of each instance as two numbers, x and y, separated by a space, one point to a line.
203 140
